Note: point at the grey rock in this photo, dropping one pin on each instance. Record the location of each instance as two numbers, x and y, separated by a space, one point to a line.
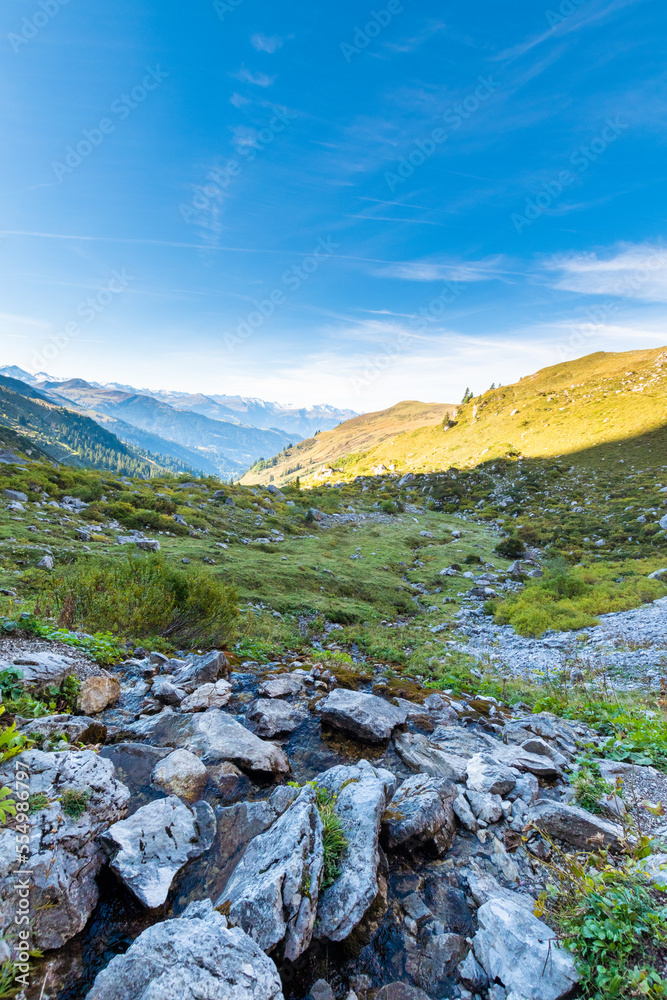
42 668
472 974
487 774
409 477
363 793
321 991
194 957
486 807
180 773
574 825
272 717
401 991
147 850
16 495
65 857
655 867
83 535
422 754
208 696
46 562
77 728
148 544
519 951
462 809
198 670
421 811
539 764
214 736
274 890
363 715
282 685
166 692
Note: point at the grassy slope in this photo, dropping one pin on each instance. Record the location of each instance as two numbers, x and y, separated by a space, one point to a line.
605 405
354 437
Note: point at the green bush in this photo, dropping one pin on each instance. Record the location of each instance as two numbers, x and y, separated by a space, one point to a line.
510 548
144 596
75 802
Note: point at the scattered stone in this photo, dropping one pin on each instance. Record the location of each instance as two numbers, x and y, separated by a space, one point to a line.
75 728
486 806
147 850
486 774
166 692
83 535
194 956
274 890
198 670
47 562
363 793
364 715
182 774
321 991
16 495
97 693
401 991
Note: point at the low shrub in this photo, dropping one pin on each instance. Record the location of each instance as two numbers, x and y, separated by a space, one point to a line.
143 596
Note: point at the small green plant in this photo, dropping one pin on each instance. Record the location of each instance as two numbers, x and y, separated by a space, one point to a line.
11 741
590 786
37 802
333 838
7 804
75 802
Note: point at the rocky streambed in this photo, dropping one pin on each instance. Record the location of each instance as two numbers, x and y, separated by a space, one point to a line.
180 839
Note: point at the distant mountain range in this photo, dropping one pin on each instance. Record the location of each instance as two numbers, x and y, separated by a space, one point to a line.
178 430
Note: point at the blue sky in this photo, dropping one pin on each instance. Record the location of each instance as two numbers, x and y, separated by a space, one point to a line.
330 202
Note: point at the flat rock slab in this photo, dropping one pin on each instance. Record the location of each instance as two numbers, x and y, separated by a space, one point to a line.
362 795
214 736
193 957
363 715
574 825
518 950
147 850
281 686
77 728
274 890
41 668
422 754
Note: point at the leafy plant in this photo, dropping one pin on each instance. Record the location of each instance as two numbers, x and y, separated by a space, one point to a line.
7 804
75 802
37 802
590 786
11 741
614 919
333 838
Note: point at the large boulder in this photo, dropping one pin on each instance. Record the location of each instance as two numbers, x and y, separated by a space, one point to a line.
212 735
363 715
64 854
282 685
420 812
420 753
208 696
147 850
361 793
519 951
194 957
41 668
574 825
274 890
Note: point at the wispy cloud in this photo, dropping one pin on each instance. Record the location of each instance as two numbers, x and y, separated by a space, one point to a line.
264 43
474 270
415 41
628 270
239 101
246 75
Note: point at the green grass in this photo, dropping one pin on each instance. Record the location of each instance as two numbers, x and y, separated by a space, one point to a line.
75 802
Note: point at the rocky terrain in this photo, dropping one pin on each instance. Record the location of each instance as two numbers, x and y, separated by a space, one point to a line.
181 825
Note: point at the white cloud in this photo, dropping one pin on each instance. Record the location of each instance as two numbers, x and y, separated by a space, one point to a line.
246 75
628 270
264 43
